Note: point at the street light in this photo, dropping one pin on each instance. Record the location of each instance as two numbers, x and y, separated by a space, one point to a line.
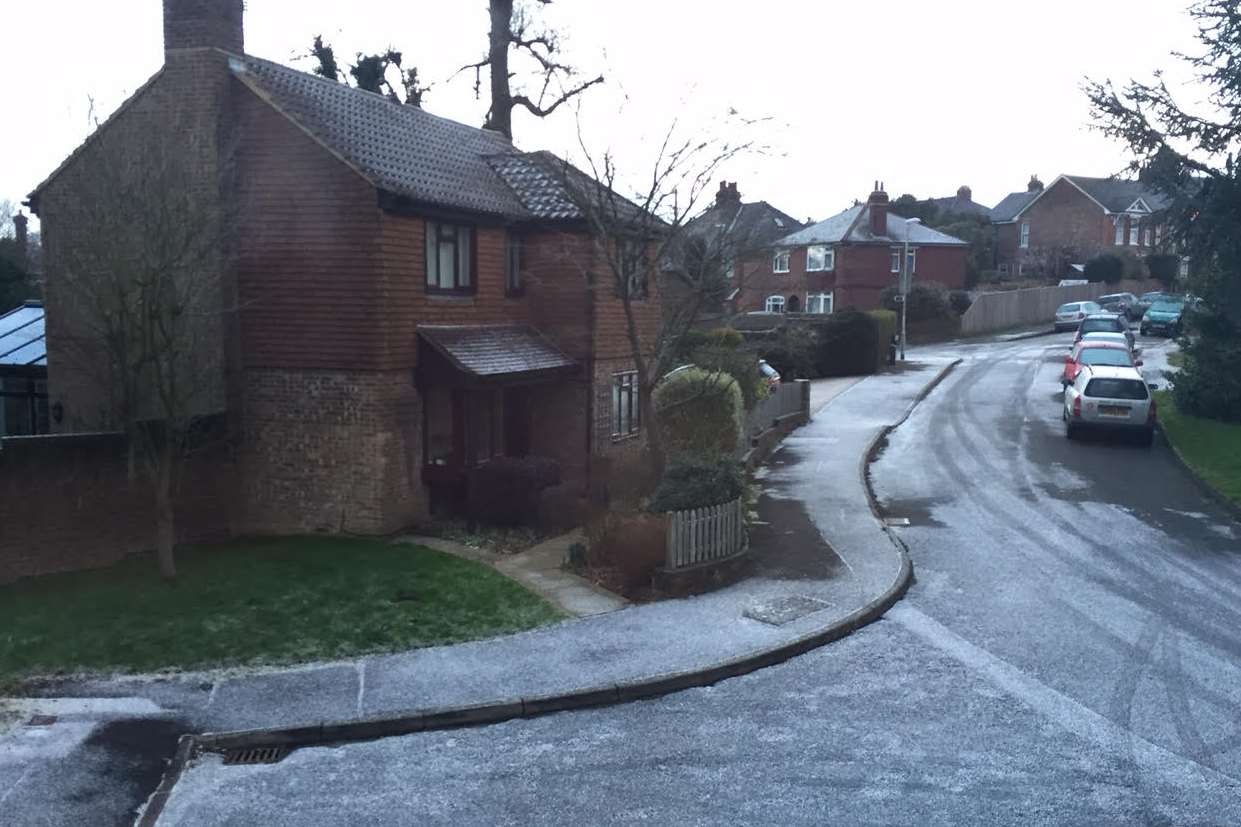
906 281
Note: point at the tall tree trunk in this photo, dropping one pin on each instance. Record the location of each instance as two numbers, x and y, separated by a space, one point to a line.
165 520
654 440
501 116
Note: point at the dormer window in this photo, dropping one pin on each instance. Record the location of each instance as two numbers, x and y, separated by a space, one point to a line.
780 262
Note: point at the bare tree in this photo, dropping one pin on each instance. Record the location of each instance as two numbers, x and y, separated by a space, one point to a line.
138 298
513 31
647 253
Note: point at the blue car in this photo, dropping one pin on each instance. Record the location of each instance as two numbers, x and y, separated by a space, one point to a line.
1163 317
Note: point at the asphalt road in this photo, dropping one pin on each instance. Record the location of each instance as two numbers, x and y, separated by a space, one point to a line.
1070 654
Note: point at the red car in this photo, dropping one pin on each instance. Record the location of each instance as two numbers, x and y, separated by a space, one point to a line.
1096 353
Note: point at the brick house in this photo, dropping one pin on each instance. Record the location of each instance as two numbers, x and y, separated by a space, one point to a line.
414 294
847 260
1052 231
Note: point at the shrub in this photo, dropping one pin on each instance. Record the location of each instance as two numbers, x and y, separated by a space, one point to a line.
740 364
695 338
1163 267
927 300
960 301
791 351
625 548
506 490
699 413
1105 267
887 322
688 484
1209 384
846 344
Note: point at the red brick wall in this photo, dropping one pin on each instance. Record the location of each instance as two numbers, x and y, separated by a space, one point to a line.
861 272
67 503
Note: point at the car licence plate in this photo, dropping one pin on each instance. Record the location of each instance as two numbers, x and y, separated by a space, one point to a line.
1113 410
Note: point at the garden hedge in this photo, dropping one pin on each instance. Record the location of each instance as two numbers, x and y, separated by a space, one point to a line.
699 414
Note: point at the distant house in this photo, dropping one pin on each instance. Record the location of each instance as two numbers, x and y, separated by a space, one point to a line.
23 372
962 203
1048 230
413 292
847 260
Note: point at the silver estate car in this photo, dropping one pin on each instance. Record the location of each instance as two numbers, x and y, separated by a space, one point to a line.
1107 398
1069 316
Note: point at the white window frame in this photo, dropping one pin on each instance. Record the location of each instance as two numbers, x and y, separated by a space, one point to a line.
626 405
1158 234
826 255
894 261
1024 240
1120 231
775 304
825 302
1134 238
780 261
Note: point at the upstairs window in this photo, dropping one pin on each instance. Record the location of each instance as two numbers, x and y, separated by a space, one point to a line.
633 264
820 258
450 258
513 255
1146 237
626 412
1024 243
775 304
1133 232
1158 234
780 262
895 260
1120 231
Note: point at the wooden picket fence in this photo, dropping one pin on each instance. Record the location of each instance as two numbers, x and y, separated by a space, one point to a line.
701 535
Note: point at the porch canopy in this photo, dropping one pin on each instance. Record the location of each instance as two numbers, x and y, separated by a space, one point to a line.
489 355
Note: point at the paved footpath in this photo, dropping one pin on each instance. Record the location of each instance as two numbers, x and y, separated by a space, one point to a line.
799 586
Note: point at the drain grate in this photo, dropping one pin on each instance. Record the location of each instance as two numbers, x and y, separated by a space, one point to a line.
255 755
41 720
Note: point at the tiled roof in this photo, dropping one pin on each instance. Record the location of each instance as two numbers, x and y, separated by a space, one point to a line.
488 351
21 336
961 206
1012 204
550 188
746 227
1117 195
853 226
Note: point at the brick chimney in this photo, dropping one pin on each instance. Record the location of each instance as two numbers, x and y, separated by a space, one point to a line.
878 206
1035 185
728 195
965 193
197 24
19 226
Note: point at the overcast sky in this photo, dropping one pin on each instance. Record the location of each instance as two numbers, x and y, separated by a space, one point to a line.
924 95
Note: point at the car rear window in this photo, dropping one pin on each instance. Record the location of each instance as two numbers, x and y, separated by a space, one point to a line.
1068 308
1117 388
1105 356
1166 307
1101 326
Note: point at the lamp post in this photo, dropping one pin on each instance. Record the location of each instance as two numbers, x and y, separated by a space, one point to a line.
906 281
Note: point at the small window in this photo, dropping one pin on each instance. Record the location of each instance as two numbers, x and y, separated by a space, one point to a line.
895 261
1133 232
819 303
1120 231
820 258
912 262
1184 270
1146 237
1158 234
633 262
780 262
450 258
513 255
1025 235
626 412
775 304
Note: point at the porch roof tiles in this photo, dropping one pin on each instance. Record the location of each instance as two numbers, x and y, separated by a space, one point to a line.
495 351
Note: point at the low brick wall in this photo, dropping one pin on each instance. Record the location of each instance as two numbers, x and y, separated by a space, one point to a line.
67 503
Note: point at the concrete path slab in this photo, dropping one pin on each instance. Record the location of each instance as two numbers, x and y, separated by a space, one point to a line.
541 570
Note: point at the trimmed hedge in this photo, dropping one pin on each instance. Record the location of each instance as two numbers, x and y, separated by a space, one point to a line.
887 322
699 414
689 484
927 300
847 344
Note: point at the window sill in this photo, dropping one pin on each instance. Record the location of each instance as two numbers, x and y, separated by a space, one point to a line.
451 296
625 437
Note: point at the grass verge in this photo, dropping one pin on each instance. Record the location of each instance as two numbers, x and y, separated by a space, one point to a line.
1210 447
269 600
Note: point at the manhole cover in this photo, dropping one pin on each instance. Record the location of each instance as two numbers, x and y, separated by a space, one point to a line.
41 720
255 755
786 609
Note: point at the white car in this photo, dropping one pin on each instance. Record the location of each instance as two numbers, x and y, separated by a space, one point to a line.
1101 336
1069 316
1108 398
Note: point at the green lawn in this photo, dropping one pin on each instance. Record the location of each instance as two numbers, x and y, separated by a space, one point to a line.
278 600
1213 448
1176 359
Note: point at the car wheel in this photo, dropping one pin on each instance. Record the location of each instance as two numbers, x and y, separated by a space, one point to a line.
1144 331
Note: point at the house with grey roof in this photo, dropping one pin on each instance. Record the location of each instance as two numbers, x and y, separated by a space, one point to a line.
962 203
847 260
1051 231
406 298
